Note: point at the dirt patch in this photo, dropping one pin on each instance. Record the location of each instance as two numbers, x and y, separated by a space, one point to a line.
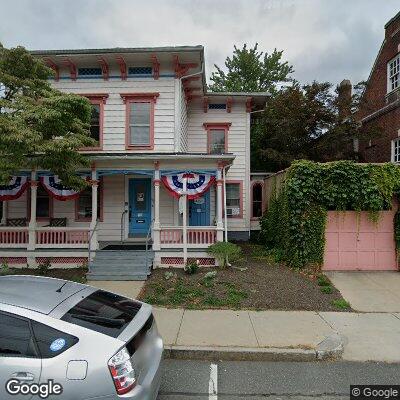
69 274
257 283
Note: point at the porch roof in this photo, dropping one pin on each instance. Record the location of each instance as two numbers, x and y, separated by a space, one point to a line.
161 156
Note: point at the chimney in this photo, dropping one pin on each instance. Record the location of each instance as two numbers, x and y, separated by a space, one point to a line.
344 99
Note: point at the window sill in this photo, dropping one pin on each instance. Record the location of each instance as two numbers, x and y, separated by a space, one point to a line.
140 147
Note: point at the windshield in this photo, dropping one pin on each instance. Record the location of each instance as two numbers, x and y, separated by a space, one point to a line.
103 312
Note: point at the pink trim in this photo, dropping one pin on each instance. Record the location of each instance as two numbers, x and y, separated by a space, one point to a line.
122 67
156 67
240 183
249 104
101 197
62 260
216 126
72 68
62 236
50 63
229 102
100 99
254 183
181 69
20 236
104 68
129 98
14 260
205 104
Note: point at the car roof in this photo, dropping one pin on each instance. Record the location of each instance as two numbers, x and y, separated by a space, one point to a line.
36 293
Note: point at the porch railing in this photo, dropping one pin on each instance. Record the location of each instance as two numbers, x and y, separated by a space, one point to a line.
62 237
198 237
14 236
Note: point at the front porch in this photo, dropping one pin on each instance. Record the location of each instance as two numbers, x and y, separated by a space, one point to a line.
126 205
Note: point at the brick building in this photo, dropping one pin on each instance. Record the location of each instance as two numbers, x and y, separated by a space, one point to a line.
381 105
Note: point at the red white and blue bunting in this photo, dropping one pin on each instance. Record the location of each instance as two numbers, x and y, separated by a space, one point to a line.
56 189
14 189
197 184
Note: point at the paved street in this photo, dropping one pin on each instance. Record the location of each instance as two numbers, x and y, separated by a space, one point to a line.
254 380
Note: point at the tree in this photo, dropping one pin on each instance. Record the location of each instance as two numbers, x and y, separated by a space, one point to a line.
40 127
250 70
306 122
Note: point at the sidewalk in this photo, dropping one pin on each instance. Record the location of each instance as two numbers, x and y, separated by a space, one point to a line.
366 336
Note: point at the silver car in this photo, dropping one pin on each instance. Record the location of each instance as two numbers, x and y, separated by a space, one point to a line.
65 340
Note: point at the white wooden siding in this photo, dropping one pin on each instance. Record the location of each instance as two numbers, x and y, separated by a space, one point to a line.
115 109
238 144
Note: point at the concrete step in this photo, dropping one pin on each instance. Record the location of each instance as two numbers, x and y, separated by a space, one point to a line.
115 277
107 269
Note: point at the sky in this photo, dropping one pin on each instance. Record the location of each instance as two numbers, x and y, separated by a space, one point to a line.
325 40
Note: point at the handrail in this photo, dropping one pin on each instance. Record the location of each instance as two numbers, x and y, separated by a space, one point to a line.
122 223
92 232
147 240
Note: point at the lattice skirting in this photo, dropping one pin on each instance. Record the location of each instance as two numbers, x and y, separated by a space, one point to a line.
204 261
62 260
14 260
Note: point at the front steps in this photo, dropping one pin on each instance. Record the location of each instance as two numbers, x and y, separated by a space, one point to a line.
123 264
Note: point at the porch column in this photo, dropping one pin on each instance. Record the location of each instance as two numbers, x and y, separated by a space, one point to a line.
93 232
184 217
4 213
220 223
156 225
32 221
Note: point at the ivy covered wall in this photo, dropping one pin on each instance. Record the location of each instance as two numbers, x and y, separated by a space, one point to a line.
294 224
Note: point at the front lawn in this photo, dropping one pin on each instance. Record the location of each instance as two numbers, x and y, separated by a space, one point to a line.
256 282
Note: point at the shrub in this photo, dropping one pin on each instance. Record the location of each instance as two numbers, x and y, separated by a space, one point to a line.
225 252
323 281
191 267
44 266
4 268
326 289
341 303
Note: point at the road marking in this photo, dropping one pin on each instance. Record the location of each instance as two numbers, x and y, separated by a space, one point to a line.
213 382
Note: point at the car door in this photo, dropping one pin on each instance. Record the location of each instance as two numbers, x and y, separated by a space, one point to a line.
18 354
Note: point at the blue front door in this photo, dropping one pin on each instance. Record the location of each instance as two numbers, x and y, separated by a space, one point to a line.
199 210
139 206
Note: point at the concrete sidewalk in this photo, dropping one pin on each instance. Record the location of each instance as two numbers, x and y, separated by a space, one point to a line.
366 337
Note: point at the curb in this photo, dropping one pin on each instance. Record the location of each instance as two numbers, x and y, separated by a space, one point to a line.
331 348
238 354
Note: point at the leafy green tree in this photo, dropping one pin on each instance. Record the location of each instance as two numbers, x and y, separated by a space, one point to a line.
40 127
250 70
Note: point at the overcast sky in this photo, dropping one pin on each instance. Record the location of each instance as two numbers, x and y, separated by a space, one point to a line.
326 40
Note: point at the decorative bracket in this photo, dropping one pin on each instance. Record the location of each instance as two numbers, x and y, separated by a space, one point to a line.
249 104
51 64
104 68
72 68
205 104
156 67
122 67
182 69
229 102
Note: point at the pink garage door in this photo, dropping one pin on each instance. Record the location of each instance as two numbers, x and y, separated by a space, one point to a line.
353 244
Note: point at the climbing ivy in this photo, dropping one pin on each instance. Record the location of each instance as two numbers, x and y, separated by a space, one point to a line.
294 225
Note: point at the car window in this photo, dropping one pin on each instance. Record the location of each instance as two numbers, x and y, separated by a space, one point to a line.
51 342
15 337
103 312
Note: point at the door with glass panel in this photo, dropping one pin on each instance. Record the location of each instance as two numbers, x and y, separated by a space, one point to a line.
139 206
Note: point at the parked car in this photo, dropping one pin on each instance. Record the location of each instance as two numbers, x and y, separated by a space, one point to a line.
89 342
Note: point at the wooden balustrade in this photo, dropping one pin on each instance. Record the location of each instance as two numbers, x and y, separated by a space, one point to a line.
14 237
199 237
62 237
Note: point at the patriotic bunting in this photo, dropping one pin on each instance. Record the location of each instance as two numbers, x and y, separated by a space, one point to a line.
197 184
56 189
14 189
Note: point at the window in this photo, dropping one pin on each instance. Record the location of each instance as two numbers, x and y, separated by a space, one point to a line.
1 211
95 123
217 134
43 203
50 341
140 120
140 71
257 197
103 312
234 199
396 150
214 106
394 73
15 337
83 204
139 124
94 71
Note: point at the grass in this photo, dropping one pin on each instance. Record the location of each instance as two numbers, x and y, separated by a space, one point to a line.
341 304
201 293
326 289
